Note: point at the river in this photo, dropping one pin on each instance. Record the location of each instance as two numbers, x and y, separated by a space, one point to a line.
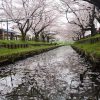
59 74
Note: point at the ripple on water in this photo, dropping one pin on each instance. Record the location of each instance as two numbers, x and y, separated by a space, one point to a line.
52 74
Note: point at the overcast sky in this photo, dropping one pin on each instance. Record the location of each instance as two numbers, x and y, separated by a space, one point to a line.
61 24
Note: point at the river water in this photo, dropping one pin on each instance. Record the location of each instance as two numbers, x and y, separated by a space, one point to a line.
59 74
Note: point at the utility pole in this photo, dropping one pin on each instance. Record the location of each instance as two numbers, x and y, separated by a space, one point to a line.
7 30
7 22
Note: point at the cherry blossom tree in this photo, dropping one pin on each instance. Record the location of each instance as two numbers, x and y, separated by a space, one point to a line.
22 12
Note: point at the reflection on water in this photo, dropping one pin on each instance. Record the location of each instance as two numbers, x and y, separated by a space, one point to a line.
59 74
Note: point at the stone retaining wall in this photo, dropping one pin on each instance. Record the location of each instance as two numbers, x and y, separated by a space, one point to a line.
93 60
7 59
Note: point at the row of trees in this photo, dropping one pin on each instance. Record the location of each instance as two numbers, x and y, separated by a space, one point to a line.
29 15
84 15
37 17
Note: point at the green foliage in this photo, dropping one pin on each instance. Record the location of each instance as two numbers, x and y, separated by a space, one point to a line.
93 49
5 51
21 42
89 47
88 38
11 55
64 43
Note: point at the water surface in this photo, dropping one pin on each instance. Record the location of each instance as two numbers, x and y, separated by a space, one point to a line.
54 75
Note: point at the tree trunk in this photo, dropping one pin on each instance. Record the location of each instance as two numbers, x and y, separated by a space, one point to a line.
48 39
82 33
43 37
11 36
93 30
23 37
36 37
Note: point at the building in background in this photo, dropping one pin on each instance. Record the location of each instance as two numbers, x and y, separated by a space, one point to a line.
8 34
10 31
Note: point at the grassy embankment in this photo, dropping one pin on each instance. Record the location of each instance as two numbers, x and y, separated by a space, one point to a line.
90 47
21 42
11 55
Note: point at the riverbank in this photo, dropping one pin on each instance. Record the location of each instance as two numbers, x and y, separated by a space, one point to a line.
13 44
90 49
10 55
58 70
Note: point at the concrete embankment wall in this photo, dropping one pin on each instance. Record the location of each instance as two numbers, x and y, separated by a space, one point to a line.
89 57
95 61
7 59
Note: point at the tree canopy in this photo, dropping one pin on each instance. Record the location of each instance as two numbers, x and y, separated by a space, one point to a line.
95 2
